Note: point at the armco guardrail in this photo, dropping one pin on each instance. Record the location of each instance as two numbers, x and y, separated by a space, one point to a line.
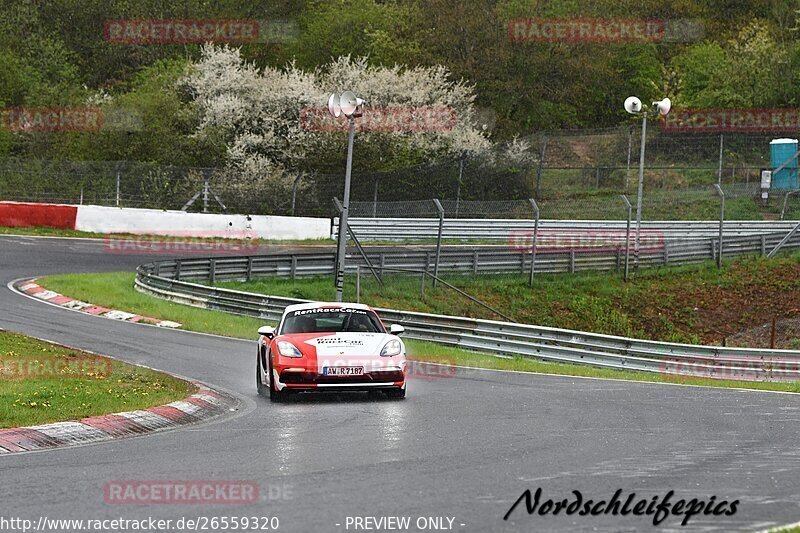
471 260
168 279
392 229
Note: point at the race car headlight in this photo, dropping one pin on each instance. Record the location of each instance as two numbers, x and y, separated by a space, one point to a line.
287 349
393 347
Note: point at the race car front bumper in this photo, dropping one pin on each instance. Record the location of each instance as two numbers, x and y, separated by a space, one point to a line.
301 378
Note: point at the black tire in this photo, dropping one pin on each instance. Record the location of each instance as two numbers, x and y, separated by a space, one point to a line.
396 394
274 394
260 387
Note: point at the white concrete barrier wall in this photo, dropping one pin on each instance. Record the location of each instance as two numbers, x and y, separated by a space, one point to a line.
179 223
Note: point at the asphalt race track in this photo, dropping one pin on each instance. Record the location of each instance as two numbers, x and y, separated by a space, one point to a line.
464 447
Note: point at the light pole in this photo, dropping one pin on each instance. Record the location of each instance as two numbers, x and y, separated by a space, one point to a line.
634 106
352 107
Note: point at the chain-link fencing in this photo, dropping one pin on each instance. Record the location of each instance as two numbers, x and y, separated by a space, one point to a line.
578 175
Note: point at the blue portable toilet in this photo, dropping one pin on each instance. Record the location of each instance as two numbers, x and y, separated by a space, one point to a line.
781 151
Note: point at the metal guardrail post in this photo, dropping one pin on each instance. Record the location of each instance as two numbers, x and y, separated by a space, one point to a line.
773 330
358 284
438 240
629 209
542 153
639 195
713 242
118 173
341 244
249 275
628 167
212 271
460 176
786 200
205 193
294 190
721 194
178 269
293 268
375 200
422 285
536 212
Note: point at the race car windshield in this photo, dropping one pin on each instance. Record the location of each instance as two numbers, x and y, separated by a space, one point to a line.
334 320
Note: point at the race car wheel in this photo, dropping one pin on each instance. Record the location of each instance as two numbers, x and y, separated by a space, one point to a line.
274 394
396 394
262 389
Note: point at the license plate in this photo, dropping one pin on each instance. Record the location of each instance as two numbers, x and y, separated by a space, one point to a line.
342 370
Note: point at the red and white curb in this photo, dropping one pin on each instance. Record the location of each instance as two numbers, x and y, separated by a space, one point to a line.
202 406
31 288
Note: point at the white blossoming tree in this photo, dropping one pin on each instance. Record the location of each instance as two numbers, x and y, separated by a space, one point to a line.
258 115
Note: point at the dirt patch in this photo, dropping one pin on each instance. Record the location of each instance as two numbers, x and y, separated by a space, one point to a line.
746 296
787 335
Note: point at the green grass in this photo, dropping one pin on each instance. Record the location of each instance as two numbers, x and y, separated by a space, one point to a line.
43 383
116 290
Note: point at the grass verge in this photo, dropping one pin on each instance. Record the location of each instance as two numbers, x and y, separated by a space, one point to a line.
116 290
43 383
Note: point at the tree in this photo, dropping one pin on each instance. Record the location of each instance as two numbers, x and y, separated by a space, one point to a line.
258 114
752 70
359 28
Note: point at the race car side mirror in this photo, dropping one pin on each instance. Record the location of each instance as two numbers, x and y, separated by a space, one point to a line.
396 329
267 331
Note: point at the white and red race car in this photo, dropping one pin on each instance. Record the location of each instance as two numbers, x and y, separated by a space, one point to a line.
330 346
